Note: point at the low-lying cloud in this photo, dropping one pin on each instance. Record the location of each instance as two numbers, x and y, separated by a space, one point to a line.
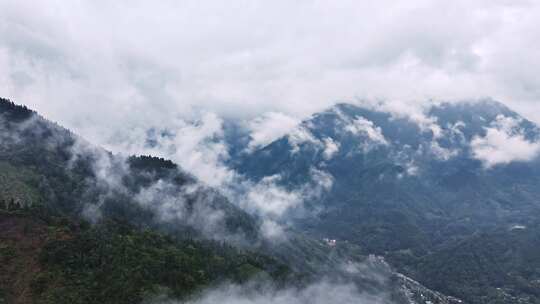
199 147
319 293
360 125
123 74
269 127
370 281
503 143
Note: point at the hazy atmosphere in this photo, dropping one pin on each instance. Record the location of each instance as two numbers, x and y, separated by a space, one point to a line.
348 151
146 63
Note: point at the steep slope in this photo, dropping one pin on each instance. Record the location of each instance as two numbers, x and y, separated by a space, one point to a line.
72 177
405 186
46 259
501 266
145 213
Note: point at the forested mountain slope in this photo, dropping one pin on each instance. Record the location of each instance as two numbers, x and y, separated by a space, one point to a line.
72 177
412 186
82 225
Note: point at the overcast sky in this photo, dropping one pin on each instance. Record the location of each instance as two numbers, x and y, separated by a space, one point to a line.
101 66
112 70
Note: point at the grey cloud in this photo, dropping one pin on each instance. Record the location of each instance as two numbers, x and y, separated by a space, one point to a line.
323 292
369 281
503 143
268 127
191 204
199 147
366 127
236 59
112 71
330 148
276 204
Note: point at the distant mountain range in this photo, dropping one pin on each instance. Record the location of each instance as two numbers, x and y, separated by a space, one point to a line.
444 199
82 225
449 195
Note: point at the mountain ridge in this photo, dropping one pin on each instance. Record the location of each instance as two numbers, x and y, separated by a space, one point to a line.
409 186
58 178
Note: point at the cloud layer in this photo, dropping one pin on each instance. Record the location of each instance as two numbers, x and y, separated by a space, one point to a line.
319 293
503 143
125 64
123 74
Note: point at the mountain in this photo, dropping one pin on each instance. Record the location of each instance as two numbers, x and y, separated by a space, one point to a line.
69 176
499 266
79 224
50 259
415 188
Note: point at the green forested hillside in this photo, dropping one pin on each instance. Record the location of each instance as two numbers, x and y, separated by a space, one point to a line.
54 250
49 259
502 266
47 164
82 225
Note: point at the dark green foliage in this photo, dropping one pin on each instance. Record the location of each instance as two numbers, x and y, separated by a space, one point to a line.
72 262
151 163
115 263
63 175
487 267
119 260
446 227
13 111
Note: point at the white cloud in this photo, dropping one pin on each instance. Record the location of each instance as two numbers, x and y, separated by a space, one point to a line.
272 230
276 203
123 64
272 200
503 143
371 276
269 199
361 125
456 131
168 207
411 168
196 145
269 127
301 135
330 148
441 152
414 112
111 71
322 180
318 293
